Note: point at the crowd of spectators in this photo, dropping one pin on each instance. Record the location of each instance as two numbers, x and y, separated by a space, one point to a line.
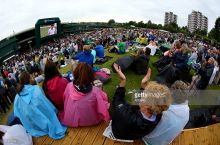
77 98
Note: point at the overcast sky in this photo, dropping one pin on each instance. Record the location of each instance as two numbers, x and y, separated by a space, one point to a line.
18 15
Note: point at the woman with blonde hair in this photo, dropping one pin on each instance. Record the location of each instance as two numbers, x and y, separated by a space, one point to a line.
131 122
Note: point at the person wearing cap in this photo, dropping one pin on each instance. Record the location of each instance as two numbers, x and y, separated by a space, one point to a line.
85 56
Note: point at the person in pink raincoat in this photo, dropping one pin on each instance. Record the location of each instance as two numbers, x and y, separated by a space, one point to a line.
84 104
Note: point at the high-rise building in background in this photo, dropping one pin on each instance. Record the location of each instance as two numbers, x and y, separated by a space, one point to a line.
170 17
197 21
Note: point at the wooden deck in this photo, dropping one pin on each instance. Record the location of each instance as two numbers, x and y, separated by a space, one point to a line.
93 136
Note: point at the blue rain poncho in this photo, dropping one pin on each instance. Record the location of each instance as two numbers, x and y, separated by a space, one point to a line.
37 113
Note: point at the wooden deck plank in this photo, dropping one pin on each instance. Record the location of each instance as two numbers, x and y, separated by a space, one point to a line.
177 140
138 142
119 143
126 143
40 140
70 136
93 135
108 142
93 131
48 141
100 139
81 136
60 141
216 134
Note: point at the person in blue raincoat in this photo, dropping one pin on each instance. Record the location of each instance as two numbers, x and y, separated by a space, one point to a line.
35 111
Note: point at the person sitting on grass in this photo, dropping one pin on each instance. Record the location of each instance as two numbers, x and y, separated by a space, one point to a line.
100 52
36 113
84 104
93 52
85 56
143 40
175 70
120 48
204 73
134 122
141 61
167 58
54 85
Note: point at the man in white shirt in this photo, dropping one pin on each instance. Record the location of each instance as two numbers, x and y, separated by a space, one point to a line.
51 30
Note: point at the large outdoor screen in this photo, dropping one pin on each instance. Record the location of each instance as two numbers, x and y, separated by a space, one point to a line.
48 30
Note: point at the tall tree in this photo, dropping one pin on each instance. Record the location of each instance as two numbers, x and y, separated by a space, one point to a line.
141 24
215 32
217 23
111 21
172 27
132 23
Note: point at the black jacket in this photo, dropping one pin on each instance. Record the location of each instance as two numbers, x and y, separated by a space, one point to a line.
180 60
140 64
127 121
205 74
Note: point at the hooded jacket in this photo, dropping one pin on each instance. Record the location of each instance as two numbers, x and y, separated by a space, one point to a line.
55 90
84 109
171 124
85 56
100 52
37 114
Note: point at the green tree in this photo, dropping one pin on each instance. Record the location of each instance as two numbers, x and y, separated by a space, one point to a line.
111 21
217 23
200 32
132 23
215 32
159 26
141 24
149 22
172 27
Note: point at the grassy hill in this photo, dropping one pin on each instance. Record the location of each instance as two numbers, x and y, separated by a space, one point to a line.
133 80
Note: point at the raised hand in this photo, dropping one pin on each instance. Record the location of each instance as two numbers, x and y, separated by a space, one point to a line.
120 74
146 78
119 71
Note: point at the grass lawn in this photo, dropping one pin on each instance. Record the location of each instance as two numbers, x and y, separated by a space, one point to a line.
44 31
133 80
